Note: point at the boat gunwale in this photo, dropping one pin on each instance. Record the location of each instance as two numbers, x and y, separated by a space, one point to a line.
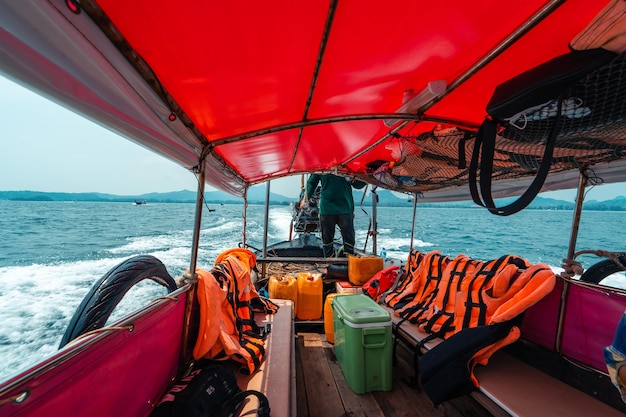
82 344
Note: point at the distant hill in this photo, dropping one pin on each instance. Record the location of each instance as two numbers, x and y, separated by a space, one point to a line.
616 204
48 196
256 195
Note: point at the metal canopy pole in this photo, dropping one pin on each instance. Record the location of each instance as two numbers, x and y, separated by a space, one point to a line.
413 221
580 197
267 217
374 222
245 217
191 278
197 222
266 227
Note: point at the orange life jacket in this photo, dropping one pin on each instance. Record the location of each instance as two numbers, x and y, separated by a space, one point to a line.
244 255
424 272
234 275
511 296
472 305
227 326
210 298
428 278
247 257
475 306
440 316
453 299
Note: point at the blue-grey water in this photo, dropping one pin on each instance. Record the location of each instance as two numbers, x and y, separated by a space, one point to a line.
52 252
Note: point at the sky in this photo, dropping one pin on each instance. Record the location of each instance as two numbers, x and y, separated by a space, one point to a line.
48 148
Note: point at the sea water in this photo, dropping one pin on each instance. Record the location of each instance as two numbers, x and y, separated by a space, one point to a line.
52 252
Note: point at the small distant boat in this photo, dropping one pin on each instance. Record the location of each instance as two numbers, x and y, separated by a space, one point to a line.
140 202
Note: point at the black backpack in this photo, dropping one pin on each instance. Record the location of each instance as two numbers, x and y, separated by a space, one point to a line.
210 390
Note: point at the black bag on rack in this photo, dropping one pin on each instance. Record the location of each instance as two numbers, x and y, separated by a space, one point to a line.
536 93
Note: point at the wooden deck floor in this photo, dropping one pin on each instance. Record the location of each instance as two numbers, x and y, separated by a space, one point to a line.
322 389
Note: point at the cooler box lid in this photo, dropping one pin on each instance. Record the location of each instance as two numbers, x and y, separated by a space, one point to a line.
358 310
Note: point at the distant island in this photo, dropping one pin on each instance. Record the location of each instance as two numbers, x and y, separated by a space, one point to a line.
256 195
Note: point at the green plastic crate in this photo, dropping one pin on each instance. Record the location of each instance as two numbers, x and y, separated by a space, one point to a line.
363 344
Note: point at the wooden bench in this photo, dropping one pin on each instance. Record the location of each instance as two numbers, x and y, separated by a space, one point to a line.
276 377
516 387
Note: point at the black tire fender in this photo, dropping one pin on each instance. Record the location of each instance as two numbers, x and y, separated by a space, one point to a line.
108 291
603 269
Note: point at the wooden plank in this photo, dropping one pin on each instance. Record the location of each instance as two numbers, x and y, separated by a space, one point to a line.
355 404
302 406
466 406
461 406
407 399
330 391
323 398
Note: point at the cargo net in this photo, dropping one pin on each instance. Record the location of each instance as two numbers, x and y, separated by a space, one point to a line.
592 130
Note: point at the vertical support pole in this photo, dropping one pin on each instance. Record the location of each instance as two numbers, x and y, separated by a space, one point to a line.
580 197
303 197
374 222
197 221
413 221
245 217
266 219
266 226
191 277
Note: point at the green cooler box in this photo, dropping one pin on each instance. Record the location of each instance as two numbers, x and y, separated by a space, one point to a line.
363 343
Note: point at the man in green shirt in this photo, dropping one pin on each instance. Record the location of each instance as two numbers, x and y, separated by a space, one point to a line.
336 207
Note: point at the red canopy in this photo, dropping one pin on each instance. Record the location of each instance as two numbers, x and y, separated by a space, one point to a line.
270 89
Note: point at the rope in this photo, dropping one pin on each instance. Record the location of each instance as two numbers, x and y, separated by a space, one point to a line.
572 267
189 278
168 297
130 328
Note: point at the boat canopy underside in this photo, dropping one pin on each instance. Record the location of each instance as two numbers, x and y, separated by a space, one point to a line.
256 91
